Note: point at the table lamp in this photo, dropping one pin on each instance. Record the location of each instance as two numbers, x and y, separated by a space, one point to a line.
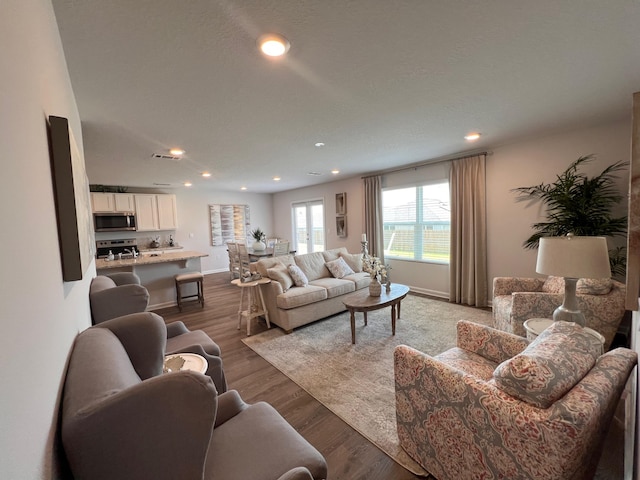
573 257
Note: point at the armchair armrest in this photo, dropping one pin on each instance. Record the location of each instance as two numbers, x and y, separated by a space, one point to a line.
118 301
143 337
298 473
509 285
229 405
492 344
160 429
176 328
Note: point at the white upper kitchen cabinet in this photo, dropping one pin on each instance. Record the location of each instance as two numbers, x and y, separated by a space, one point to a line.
167 212
155 212
146 212
124 202
103 202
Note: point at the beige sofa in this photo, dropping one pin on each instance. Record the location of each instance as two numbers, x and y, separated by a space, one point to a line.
291 306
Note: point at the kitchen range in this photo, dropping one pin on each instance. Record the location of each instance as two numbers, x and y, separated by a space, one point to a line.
120 249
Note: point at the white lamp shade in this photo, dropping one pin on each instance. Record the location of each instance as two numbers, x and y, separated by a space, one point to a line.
574 257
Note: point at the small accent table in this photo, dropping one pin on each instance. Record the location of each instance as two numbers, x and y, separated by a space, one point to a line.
361 301
185 361
254 309
535 326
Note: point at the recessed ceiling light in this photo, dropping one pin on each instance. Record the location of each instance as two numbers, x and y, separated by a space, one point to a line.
176 151
277 179
472 137
335 171
273 45
319 144
206 174
187 184
243 188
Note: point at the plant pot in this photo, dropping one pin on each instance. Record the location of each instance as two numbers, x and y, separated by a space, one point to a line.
375 288
258 246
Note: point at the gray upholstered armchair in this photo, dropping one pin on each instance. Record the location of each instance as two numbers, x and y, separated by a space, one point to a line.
115 295
123 418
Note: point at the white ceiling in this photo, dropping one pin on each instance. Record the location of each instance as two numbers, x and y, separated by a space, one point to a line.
381 83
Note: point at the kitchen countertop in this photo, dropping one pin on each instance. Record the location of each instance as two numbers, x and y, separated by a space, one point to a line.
161 248
148 259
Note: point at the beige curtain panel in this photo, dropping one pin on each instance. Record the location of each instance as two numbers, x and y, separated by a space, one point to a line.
373 215
468 282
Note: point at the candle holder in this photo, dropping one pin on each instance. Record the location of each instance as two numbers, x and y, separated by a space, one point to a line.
365 252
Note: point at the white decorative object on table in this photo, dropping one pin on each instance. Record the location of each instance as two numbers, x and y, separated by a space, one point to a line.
375 287
185 361
378 271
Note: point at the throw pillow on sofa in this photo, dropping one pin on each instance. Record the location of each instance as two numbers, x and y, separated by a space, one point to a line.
594 286
299 278
339 268
550 366
280 274
354 260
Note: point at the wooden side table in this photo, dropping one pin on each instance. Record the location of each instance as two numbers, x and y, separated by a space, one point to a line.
254 295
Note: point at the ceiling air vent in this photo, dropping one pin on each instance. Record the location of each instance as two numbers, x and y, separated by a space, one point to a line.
166 156
314 174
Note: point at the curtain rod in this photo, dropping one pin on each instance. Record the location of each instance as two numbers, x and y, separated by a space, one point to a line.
435 161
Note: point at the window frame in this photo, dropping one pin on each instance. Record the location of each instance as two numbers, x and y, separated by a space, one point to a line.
418 223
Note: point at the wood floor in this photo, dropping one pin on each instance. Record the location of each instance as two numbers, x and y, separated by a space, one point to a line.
349 455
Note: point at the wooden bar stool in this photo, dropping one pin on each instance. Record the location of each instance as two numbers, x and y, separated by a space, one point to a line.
185 278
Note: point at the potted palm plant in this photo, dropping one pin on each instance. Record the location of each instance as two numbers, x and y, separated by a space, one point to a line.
580 205
259 237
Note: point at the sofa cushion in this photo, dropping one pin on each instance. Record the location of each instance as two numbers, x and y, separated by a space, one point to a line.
299 296
266 263
553 285
339 268
280 274
361 279
594 286
298 276
354 260
550 366
312 264
334 253
335 286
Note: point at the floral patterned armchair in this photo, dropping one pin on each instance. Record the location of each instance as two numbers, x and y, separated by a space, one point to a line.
517 299
496 406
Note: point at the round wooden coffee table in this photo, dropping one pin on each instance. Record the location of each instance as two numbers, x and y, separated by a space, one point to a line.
361 301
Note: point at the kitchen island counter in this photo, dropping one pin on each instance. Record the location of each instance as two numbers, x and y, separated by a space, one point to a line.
148 258
156 272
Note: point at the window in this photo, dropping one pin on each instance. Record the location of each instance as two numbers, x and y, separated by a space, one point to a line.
417 223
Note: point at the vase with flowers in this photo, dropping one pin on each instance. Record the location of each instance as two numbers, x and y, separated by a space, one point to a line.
378 271
259 237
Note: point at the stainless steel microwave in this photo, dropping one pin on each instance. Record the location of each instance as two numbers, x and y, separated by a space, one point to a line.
114 222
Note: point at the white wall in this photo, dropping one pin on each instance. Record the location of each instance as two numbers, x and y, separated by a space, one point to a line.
40 314
534 162
508 222
193 218
282 219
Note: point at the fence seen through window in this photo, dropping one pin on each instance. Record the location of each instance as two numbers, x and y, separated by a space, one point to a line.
417 223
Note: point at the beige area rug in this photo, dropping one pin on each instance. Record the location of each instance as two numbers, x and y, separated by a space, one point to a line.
356 381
